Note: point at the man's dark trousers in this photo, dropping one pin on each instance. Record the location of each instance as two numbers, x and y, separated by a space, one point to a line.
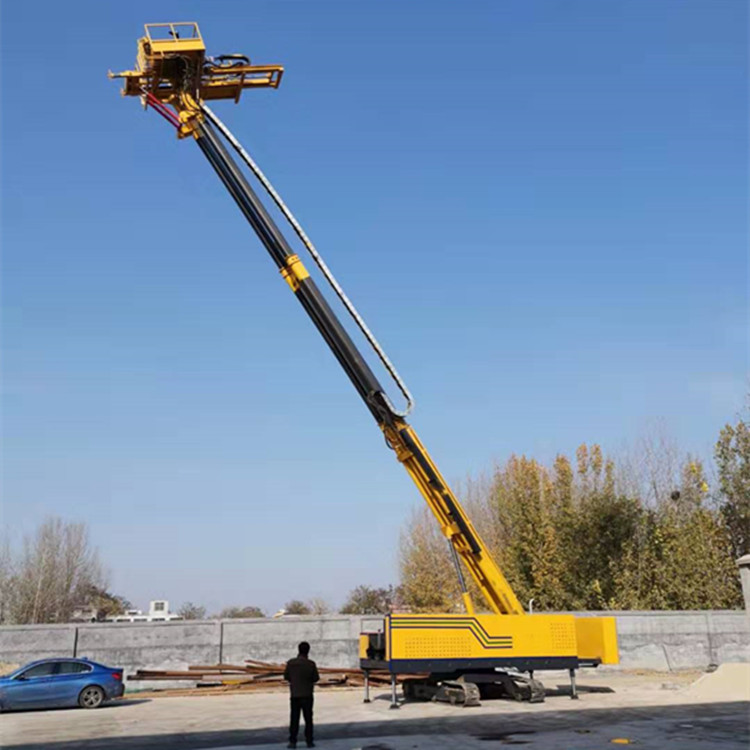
305 705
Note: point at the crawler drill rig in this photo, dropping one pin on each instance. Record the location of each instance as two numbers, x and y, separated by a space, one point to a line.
465 654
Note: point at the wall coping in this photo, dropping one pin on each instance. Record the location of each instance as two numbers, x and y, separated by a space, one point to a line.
349 618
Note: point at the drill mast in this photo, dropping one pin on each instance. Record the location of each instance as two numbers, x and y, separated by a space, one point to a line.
174 76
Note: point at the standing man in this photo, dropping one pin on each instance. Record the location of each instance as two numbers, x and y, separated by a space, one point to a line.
301 674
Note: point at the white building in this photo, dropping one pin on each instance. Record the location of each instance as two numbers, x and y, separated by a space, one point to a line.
85 613
158 611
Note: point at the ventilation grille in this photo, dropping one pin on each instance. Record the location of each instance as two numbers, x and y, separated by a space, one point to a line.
563 636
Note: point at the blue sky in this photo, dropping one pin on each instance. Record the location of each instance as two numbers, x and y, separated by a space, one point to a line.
539 207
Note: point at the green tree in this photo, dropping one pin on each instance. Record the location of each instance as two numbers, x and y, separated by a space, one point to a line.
702 544
732 453
605 521
591 534
297 607
639 578
531 559
679 557
563 508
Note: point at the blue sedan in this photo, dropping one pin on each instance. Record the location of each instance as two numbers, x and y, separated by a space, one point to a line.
52 683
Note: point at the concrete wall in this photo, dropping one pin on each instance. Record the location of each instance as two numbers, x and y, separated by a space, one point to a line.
681 640
335 639
648 640
142 645
22 643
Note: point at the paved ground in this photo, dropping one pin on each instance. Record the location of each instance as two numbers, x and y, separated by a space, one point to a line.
649 711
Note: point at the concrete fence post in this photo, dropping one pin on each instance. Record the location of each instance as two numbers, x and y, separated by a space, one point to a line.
221 641
744 565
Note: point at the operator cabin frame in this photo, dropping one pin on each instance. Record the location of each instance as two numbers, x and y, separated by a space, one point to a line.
174 76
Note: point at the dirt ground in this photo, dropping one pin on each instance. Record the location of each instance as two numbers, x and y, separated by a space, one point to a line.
649 710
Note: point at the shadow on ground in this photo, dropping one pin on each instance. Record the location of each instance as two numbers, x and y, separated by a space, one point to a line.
119 703
582 689
723 724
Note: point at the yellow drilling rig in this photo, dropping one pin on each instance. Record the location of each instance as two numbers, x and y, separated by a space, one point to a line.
464 655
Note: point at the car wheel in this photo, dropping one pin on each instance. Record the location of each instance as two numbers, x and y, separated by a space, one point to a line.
91 697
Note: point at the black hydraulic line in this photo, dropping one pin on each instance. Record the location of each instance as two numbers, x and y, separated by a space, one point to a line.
435 482
457 566
307 293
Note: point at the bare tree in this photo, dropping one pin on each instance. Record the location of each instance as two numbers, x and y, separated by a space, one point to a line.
190 611
650 469
6 579
55 572
318 606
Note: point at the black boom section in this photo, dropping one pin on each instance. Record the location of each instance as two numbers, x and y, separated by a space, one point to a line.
243 195
307 293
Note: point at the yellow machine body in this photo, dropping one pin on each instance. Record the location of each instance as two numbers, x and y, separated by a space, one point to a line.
448 643
597 639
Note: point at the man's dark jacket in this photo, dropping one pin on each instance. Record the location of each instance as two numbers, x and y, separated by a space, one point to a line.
301 674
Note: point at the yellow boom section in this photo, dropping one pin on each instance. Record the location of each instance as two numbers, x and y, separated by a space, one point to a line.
453 521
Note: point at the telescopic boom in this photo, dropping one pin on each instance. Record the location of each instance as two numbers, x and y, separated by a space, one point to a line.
174 76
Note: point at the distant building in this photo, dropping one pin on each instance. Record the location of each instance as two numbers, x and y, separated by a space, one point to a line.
85 613
158 612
